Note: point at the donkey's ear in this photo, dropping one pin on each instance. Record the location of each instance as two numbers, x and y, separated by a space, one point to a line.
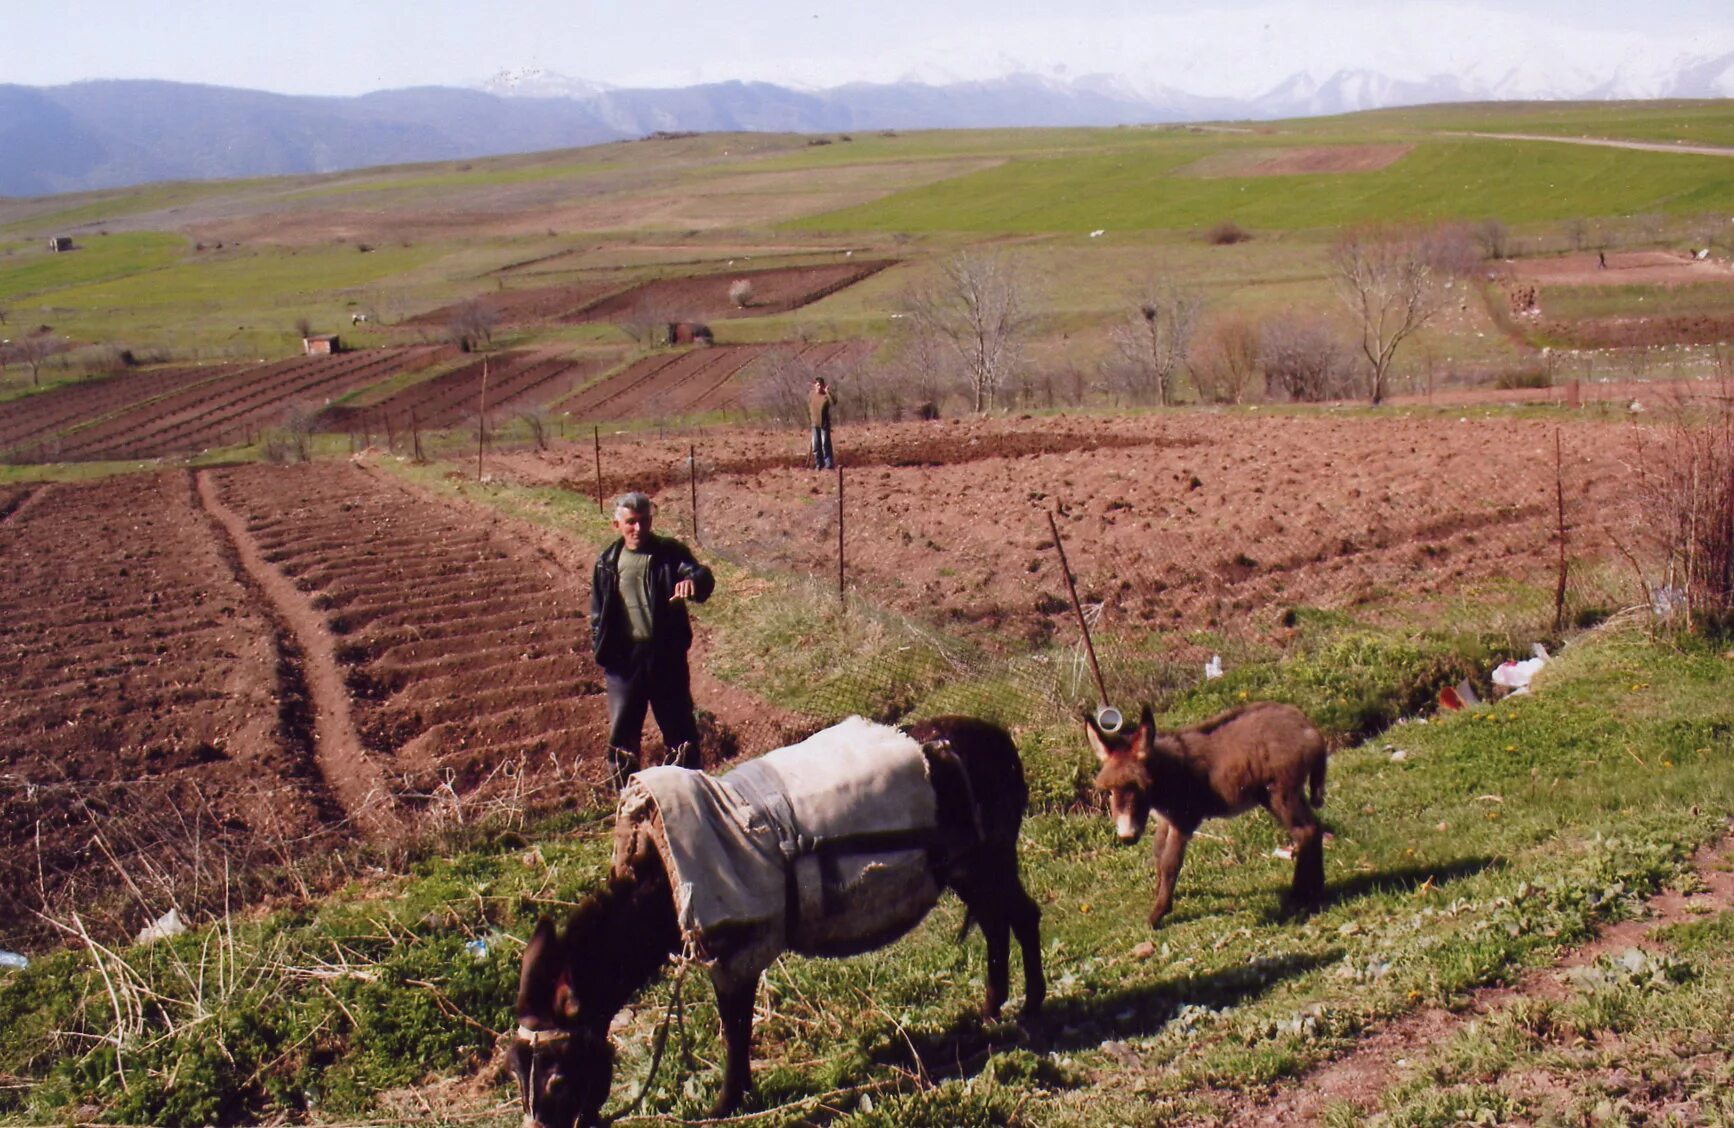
539 967
1094 734
565 1000
1145 737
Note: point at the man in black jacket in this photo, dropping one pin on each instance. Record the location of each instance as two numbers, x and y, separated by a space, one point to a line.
639 632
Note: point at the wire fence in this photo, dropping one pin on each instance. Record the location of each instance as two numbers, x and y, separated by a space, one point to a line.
998 634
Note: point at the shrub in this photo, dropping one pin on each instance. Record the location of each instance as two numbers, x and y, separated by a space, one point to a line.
741 293
1686 483
1227 233
1302 359
1225 363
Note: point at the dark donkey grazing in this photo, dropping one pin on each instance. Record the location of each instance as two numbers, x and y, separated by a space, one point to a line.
1262 754
967 777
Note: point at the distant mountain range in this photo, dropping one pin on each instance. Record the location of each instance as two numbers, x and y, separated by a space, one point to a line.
107 134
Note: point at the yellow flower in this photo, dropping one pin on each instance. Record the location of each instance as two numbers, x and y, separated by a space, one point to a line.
1084 907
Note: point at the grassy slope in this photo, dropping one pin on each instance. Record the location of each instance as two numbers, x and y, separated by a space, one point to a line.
1521 182
26 270
1503 835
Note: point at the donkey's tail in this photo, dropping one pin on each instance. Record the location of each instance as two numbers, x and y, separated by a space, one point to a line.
1316 783
969 922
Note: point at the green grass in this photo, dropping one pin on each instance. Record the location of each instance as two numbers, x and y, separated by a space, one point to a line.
29 269
1504 835
1520 182
1581 302
1689 122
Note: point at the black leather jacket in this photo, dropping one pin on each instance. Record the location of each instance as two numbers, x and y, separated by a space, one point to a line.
671 630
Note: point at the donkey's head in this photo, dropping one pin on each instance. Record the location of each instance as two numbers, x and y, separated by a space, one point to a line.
560 1056
1125 772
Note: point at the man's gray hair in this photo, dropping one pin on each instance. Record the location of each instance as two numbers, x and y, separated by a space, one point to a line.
635 501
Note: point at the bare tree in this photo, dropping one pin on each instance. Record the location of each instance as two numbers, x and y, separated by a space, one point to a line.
741 293
1493 236
1301 358
779 387
978 309
472 324
34 350
303 328
646 321
537 423
1225 364
1577 232
1153 340
1391 283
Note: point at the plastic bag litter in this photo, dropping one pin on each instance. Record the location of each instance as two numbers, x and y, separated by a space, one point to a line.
13 960
165 926
1213 668
1515 676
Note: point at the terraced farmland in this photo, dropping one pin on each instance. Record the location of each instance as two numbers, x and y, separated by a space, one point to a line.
515 381
697 380
29 425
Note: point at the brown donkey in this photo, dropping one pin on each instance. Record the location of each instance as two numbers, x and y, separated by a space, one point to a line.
954 826
1260 754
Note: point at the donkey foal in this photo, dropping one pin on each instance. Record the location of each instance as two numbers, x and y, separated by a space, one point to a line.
1260 754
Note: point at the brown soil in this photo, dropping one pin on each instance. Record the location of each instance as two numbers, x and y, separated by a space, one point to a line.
1382 1059
691 298
706 296
539 305
1299 161
147 725
186 411
504 384
1183 521
1624 268
252 664
718 378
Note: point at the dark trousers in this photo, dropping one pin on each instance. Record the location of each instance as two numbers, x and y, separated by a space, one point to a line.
822 459
662 684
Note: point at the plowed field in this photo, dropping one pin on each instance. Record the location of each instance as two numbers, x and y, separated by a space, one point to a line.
1179 522
205 675
515 381
148 718
30 424
717 378
465 653
776 290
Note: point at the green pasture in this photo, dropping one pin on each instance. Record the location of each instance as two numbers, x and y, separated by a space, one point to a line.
1467 849
84 210
29 269
1685 121
1580 302
1517 182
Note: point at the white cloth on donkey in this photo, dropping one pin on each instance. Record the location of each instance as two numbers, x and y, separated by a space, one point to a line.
824 840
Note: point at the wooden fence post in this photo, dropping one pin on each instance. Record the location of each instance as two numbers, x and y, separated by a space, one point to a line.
596 437
692 480
842 597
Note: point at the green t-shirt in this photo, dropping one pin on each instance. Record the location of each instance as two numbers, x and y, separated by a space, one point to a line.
635 592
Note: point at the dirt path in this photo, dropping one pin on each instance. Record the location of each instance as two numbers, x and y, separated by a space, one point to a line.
15 505
1381 1059
1647 146
355 780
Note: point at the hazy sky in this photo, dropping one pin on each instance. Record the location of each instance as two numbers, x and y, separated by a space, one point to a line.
1203 46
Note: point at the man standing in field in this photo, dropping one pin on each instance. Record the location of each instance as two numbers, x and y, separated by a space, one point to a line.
819 404
640 633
